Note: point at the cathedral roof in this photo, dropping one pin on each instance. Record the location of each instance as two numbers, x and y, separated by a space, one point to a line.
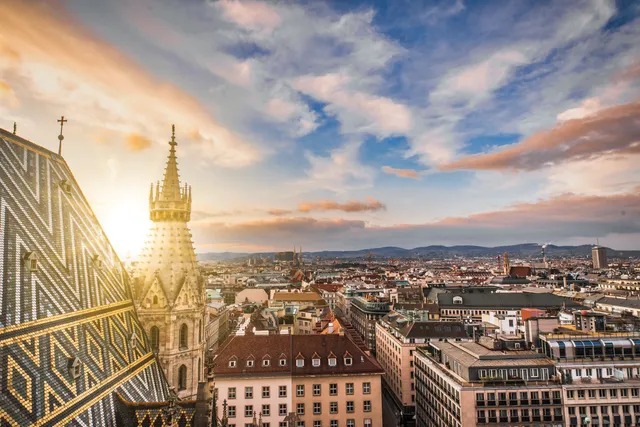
69 333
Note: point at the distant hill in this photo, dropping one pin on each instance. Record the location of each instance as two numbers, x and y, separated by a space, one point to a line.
524 250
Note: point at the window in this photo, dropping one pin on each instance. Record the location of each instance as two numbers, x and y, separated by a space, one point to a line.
266 392
333 407
282 391
348 361
367 406
602 393
317 423
182 378
351 422
570 394
300 390
266 362
248 392
624 392
282 409
282 424
349 388
300 424
266 410
366 388
300 409
154 332
283 362
300 363
613 392
333 423
250 363
332 361
231 411
232 363
317 408
184 336
350 406
315 362
231 393
333 389
248 411
316 389
368 422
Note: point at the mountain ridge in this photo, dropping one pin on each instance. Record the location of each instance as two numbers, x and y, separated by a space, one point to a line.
526 250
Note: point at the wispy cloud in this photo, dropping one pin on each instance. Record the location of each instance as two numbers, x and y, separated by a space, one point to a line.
370 205
402 173
614 130
137 142
59 60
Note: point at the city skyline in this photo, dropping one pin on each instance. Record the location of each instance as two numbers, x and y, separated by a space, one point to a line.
395 132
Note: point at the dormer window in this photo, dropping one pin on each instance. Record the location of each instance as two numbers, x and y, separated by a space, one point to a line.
283 362
73 366
97 261
316 363
266 362
250 363
65 186
348 360
30 260
332 359
300 363
232 363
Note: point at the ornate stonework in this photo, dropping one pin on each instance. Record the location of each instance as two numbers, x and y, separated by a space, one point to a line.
169 291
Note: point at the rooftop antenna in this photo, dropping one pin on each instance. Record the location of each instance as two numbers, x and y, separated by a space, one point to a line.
62 121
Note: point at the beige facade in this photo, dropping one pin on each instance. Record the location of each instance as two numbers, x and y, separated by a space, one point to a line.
348 400
396 358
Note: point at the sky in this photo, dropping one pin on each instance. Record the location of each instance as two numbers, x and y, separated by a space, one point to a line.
340 124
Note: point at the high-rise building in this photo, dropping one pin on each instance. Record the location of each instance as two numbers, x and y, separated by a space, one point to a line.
169 291
599 255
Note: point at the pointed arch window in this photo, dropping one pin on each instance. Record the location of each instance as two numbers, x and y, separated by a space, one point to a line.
184 336
155 299
155 338
182 378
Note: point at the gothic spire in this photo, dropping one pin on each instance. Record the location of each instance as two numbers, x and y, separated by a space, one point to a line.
171 182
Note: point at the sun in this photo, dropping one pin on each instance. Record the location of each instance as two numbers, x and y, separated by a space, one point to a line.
126 226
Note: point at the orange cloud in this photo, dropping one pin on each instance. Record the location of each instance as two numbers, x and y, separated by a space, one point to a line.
278 212
402 173
108 88
350 206
614 130
137 142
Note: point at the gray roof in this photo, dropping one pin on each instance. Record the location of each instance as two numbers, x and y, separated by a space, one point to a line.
507 301
627 303
425 329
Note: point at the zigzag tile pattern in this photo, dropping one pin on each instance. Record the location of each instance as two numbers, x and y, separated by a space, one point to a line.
70 301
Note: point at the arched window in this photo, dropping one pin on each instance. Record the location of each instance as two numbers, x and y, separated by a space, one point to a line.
182 378
155 338
184 336
155 299
199 369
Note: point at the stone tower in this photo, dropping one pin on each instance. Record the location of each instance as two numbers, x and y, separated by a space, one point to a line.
169 292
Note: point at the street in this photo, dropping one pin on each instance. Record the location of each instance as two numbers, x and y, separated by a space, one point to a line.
388 410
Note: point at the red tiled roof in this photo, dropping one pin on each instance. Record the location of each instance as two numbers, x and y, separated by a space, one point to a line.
294 347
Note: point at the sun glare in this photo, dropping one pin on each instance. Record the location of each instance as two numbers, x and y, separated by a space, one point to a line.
126 226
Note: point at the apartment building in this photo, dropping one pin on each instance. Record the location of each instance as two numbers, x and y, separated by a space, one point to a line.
600 373
365 313
397 337
470 384
301 380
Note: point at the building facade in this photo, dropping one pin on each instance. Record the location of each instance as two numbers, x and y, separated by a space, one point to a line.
169 291
365 313
469 384
301 380
397 338
599 257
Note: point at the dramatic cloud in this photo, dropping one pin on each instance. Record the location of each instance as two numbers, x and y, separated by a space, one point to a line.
402 173
137 142
358 111
554 219
253 15
370 205
614 130
62 63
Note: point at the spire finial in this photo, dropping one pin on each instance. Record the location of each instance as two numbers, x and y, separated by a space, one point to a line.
15 127
173 136
62 121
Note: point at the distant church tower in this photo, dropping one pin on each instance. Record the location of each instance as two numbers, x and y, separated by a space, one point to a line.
169 291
